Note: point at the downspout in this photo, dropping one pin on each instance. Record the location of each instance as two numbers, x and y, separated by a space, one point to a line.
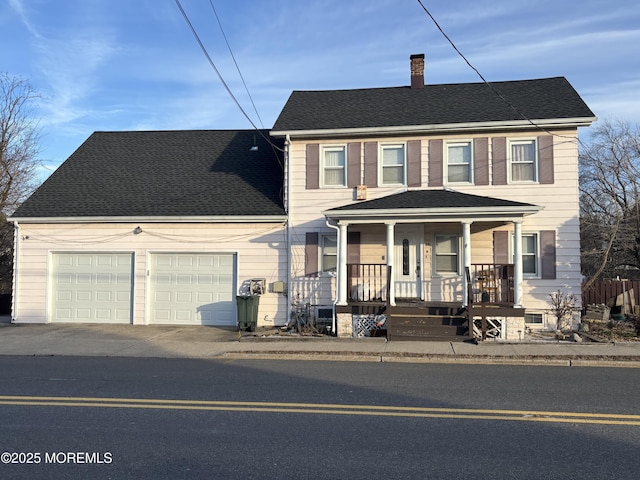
287 206
14 287
334 323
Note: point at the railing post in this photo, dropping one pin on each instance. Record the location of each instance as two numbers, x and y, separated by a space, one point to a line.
390 260
466 256
341 281
517 263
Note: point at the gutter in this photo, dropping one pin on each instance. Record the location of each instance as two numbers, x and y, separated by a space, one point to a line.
334 321
153 219
445 127
287 206
423 214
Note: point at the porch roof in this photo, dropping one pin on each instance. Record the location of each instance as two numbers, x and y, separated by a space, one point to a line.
432 205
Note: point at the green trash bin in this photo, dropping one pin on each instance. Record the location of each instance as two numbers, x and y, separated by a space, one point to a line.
247 306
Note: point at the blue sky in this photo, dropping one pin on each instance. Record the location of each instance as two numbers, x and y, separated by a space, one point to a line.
135 65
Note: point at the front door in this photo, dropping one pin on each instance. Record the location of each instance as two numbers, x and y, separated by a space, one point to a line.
407 265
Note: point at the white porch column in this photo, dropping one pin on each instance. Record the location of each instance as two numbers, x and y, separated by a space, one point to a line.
466 260
341 281
390 260
517 263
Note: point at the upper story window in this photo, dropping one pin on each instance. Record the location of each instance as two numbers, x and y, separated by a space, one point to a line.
523 161
393 164
459 165
334 166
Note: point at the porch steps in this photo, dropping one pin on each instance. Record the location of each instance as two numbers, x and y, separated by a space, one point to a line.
421 321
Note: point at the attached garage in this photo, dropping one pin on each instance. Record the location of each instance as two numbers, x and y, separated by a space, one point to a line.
192 289
91 287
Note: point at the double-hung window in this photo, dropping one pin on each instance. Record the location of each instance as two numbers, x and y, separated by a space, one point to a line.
524 162
329 253
459 166
530 254
334 160
446 254
393 164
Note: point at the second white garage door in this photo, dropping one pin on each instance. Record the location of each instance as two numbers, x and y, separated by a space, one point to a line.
192 289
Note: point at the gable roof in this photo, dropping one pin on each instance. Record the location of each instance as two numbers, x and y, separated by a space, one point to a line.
424 204
191 173
468 105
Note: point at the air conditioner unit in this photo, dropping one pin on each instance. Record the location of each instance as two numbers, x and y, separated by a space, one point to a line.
324 319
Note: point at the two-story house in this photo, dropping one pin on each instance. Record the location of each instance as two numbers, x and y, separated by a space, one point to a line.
365 200
460 193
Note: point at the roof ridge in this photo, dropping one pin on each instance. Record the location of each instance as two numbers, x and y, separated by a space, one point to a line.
408 87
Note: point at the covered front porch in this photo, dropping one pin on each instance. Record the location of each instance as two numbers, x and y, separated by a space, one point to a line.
429 249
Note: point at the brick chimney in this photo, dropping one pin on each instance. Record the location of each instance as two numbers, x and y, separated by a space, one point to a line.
417 70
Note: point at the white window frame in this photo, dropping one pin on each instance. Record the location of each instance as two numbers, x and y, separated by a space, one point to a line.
536 170
323 253
446 273
536 254
324 167
458 143
381 166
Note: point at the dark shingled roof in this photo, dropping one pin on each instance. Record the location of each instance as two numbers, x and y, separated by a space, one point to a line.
429 199
548 98
164 173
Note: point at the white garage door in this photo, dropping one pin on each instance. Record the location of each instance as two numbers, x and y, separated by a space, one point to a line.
192 289
91 287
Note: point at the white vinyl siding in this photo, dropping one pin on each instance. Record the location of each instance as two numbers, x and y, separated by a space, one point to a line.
91 287
257 248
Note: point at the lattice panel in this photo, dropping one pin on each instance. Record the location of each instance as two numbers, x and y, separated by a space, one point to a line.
363 324
494 327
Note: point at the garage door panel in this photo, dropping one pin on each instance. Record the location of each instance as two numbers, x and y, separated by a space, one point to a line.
83 261
192 289
184 297
91 287
81 296
185 261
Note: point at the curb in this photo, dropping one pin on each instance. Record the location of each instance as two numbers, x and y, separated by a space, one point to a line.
442 359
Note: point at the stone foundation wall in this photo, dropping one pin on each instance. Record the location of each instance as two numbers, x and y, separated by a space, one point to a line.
344 323
514 330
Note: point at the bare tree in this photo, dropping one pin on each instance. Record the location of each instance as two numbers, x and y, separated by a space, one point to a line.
610 201
19 148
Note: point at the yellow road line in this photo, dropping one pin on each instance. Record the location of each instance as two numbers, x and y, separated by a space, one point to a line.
327 409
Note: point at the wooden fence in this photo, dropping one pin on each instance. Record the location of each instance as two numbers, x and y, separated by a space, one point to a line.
602 291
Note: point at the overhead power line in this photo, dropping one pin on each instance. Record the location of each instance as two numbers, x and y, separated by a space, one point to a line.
235 62
224 83
493 89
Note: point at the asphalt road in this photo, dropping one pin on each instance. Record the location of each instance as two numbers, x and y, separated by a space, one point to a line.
172 418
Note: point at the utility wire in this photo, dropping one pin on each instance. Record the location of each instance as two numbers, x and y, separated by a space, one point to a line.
493 89
213 65
236 63
255 109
